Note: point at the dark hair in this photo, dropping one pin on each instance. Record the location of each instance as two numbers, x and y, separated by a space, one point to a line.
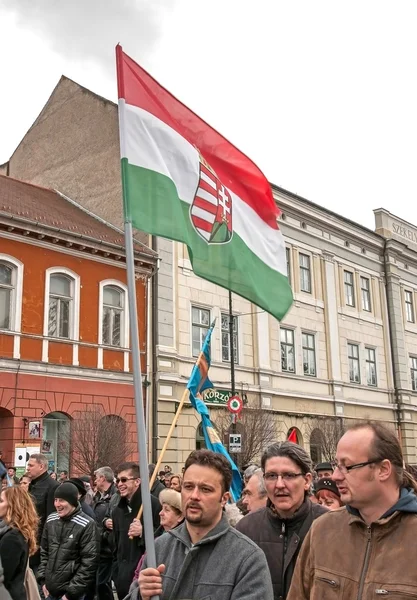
207 458
63 471
386 446
129 466
289 450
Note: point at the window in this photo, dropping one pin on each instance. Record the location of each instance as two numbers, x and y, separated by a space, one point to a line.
60 306
413 371
370 366
226 339
113 316
287 350
305 273
349 289
409 306
7 289
200 325
353 358
309 354
288 256
366 294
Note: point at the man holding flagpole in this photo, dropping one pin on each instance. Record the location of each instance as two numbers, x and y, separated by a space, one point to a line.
205 557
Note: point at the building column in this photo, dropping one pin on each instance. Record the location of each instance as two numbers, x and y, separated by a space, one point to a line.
399 350
332 321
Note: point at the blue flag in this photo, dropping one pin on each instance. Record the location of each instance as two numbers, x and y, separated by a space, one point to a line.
197 383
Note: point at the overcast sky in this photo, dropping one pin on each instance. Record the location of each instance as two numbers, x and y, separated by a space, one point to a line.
320 94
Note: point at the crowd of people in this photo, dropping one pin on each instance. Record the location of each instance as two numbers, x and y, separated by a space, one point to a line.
340 530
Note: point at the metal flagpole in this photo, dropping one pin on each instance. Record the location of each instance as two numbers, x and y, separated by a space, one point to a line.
140 413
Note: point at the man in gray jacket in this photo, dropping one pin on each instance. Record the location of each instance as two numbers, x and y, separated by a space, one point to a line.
205 557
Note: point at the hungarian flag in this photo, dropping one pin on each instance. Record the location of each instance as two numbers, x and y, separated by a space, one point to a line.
184 181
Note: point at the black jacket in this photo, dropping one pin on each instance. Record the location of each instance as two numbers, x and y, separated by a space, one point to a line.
14 554
4 594
157 488
103 508
42 491
69 554
280 539
127 552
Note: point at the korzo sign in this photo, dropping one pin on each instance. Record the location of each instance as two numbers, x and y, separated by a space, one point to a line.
217 396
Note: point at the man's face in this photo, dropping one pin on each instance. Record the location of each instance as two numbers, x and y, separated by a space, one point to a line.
324 474
251 497
202 496
360 487
63 476
286 493
11 472
127 484
100 482
34 468
63 508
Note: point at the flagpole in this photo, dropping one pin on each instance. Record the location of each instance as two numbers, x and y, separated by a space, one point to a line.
139 408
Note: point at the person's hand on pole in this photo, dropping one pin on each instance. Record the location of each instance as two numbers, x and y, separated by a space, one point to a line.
135 529
150 582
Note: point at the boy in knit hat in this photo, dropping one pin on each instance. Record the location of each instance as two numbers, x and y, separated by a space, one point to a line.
69 548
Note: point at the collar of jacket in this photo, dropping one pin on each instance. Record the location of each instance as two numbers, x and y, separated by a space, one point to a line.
406 503
3 527
107 494
181 533
135 502
75 512
293 521
39 478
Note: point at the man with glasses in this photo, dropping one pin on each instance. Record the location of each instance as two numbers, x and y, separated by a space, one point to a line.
367 549
129 545
280 528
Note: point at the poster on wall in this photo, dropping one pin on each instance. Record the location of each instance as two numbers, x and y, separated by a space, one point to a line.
34 429
47 447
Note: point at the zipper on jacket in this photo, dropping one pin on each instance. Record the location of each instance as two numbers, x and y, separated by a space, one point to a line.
331 582
284 550
365 562
382 592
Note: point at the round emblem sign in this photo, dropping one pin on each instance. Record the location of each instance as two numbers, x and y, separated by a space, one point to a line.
235 405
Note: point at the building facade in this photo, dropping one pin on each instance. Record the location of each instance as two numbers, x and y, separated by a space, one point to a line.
64 328
345 351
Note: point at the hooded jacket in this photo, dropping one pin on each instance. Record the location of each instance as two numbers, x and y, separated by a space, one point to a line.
128 552
280 539
14 554
69 554
42 491
223 565
343 557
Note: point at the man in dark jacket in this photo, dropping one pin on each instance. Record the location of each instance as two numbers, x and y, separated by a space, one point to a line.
41 488
81 496
103 502
158 486
280 528
70 548
129 545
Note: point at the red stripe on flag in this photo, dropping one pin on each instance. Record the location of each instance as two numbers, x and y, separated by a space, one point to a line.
234 169
208 188
207 172
201 223
208 206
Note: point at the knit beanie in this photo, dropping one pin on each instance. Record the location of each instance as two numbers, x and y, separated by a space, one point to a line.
67 491
171 497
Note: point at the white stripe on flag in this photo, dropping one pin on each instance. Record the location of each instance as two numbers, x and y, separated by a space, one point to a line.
203 214
206 196
208 180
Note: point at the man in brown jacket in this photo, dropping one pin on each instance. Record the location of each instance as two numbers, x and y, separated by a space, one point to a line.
367 549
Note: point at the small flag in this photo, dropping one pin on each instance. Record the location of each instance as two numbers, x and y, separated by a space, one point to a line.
197 383
293 436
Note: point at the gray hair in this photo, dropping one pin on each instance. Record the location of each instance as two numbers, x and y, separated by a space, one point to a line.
289 450
258 473
107 473
40 459
249 471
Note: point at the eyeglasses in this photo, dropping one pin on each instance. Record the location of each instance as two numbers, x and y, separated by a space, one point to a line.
344 469
124 479
272 477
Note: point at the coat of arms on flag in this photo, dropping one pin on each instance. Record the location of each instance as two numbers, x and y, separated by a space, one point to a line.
211 209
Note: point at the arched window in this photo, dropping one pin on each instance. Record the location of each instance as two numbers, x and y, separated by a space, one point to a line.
113 316
316 446
200 442
7 294
56 440
61 306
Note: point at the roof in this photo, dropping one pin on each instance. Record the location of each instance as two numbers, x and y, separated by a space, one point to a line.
50 209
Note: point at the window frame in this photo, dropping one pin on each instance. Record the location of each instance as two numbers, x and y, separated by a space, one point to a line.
413 372
235 336
74 318
309 349
287 345
16 301
352 360
203 308
366 293
410 315
288 261
349 285
124 328
369 362
305 271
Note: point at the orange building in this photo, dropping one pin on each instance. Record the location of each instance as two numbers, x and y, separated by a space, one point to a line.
64 322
